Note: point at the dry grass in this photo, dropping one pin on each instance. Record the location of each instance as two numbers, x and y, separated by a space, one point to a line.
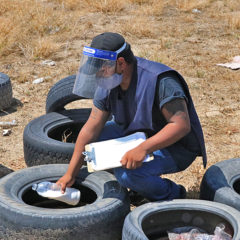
187 5
166 31
147 8
106 6
138 27
234 20
37 29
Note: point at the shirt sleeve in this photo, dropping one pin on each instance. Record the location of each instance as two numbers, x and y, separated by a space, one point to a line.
169 88
100 99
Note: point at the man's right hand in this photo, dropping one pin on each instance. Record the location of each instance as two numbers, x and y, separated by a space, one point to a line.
65 181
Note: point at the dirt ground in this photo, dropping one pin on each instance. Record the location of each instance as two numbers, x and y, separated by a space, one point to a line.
192 42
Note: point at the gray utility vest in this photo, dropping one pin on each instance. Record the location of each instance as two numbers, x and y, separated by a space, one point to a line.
147 74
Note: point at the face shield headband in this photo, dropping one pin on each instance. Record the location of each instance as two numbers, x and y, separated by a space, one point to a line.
97 69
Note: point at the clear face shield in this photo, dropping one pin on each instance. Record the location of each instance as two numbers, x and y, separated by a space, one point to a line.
97 69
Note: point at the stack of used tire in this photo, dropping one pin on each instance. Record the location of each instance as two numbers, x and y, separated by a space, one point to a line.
103 211
24 214
109 204
5 91
50 138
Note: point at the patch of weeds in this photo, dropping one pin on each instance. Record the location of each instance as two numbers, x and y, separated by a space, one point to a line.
193 192
187 34
143 54
200 74
167 45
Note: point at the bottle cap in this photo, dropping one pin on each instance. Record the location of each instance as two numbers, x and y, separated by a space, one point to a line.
34 186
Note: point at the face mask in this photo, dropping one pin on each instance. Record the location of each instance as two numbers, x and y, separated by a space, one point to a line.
110 82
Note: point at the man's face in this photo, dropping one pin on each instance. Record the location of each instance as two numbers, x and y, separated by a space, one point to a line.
107 70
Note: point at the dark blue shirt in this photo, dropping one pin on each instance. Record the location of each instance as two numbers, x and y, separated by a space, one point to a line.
168 89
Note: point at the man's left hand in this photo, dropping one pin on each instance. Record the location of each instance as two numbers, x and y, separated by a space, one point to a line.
133 158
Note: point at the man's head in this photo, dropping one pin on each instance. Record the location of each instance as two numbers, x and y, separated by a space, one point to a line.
112 42
106 58
108 41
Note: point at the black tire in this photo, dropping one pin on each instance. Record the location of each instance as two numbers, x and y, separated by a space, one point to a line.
61 94
153 220
221 183
5 91
26 215
42 136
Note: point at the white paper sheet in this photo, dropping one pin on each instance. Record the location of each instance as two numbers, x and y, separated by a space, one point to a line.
234 65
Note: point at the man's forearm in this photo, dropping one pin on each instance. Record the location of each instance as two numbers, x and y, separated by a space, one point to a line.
170 134
77 159
89 133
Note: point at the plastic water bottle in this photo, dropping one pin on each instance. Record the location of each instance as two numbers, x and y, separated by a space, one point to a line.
53 191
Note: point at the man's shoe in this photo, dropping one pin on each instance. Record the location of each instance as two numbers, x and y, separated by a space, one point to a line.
136 199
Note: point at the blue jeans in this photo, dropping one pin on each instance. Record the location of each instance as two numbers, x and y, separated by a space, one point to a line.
146 180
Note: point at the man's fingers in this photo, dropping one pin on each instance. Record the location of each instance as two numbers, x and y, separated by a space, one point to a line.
124 161
133 166
129 165
123 165
59 184
63 186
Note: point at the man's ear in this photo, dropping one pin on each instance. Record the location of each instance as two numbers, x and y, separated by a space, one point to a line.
121 62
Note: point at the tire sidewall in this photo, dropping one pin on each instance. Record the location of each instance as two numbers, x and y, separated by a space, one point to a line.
132 228
15 213
61 94
36 132
217 183
5 91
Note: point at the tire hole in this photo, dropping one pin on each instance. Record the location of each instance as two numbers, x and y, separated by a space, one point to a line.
236 186
66 133
156 225
32 198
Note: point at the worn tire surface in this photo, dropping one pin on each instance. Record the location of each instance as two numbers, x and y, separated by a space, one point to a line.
221 183
61 94
42 136
100 220
152 220
5 91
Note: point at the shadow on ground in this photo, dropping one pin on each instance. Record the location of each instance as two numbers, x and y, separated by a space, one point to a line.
13 108
4 171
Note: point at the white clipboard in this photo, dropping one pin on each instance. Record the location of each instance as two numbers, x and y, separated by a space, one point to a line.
108 154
